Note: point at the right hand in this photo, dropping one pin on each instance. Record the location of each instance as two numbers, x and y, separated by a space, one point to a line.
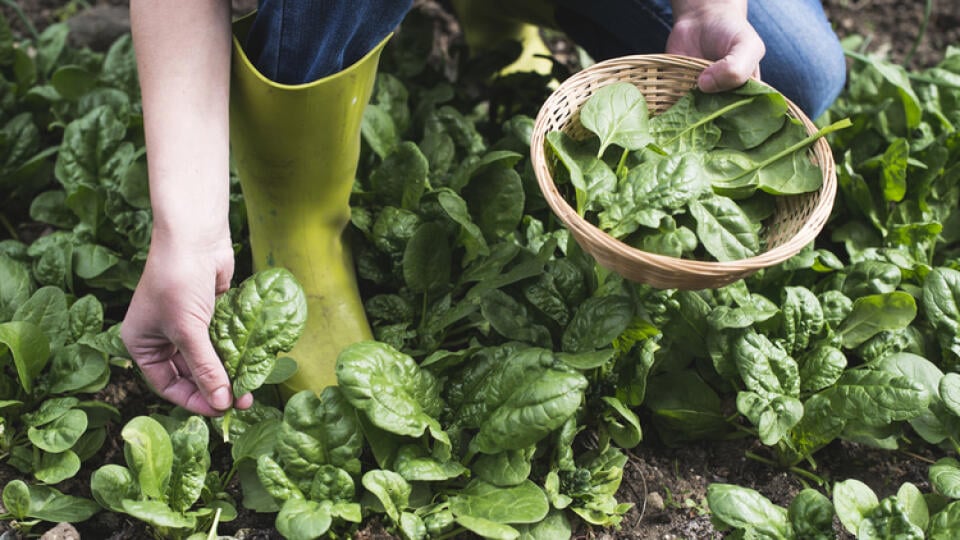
166 326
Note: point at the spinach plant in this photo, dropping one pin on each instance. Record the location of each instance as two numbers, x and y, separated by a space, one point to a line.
53 352
165 480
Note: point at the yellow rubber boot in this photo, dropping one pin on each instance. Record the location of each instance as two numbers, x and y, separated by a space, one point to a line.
489 23
295 149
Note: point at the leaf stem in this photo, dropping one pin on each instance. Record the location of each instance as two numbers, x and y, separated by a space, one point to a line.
15 6
927 12
5 223
709 118
227 416
799 145
794 469
622 164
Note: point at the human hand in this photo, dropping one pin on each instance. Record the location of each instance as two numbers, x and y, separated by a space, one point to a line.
717 30
166 326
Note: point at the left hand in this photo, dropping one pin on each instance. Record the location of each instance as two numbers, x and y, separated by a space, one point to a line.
717 30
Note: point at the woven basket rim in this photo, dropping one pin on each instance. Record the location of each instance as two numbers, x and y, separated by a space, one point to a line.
610 71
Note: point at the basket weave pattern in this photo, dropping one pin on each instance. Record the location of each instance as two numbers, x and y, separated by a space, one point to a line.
664 79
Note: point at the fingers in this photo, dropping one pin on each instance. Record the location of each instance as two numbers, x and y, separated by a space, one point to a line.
740 63
204 366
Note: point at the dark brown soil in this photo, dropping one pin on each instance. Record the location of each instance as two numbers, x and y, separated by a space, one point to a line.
667 485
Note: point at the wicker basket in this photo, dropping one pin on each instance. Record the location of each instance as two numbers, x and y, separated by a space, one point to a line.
663 79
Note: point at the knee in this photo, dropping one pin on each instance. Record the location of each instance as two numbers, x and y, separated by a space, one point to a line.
807 66
819 76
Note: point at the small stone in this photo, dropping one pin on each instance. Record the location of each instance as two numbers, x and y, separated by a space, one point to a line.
63 531
98 27
655 502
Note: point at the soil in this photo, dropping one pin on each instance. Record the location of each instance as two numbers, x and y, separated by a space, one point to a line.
666 485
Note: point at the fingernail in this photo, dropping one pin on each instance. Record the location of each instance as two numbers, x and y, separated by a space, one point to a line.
707 82
221 399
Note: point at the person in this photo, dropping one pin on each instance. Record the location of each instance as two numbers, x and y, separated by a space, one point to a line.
183 52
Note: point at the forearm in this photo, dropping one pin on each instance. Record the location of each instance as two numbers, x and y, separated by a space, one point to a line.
183 59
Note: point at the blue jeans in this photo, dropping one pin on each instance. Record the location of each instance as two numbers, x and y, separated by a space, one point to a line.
296 41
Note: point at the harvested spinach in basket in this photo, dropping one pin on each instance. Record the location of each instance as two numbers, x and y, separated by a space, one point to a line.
697 180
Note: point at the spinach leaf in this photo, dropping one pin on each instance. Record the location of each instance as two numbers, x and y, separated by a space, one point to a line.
617 113
253 322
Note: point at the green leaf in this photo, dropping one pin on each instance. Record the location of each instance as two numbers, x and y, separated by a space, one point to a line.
487 528
55 468
257 440
724 229
390 388
16 498
191 461
317 431
750 124
158 514
275 481
876 397
811 515
555 525
49 410
945 477
941 306
379 130
78 368
426 259
46 308
471 237
617 113
683 127
16 286
876 313
402 177
515 396
950 392
685 407
304 520
413 464
73 81
853 501
774 415
48 504
914 505
29 347
944 525
746 509
390 489
251 323
820 367
597 322
893 165
764 367
111 484
622 423
504 469
149 455
511 319
523 503
60 434
589 175
496 200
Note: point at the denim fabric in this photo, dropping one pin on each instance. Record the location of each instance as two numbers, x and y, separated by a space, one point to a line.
299 41
296 41
804 59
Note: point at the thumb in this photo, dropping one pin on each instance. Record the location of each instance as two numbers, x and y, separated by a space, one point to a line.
731 71
205 367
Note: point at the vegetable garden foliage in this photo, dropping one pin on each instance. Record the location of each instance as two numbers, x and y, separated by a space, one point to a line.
509 372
